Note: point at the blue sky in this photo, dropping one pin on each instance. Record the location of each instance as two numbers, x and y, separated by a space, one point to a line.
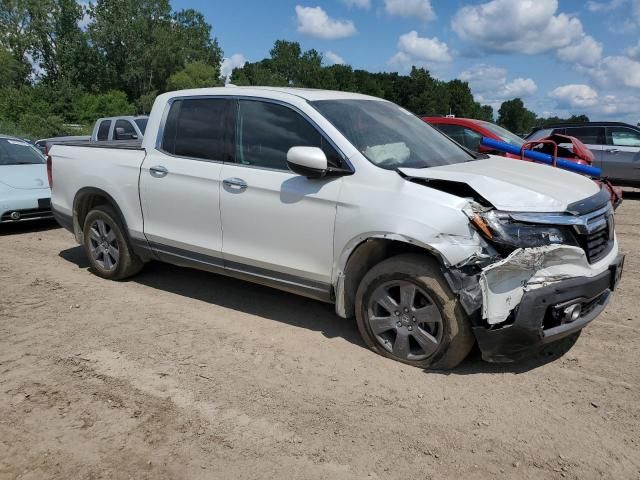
560 56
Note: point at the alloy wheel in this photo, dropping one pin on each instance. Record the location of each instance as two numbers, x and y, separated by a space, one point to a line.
405 320
104 245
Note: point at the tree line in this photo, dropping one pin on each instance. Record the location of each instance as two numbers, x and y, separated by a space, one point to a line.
62 65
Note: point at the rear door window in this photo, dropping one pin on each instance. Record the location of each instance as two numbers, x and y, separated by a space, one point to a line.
623 137
200 128
103 130
587 135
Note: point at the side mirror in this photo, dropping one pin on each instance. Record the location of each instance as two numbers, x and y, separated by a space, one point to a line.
308 161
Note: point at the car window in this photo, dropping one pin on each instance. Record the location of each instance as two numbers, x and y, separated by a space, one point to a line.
124 130
504 134
103 130
198 128
623 137
537 135
17 152
142 124
389 136
266 131
587 135
472 139
455 132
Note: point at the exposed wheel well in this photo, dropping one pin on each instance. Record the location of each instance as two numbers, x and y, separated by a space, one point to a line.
85 201
367 254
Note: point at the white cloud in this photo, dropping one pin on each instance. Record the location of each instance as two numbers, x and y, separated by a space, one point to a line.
416 50
236 60
421 9
522 26
333 58
489 84
366 4
633 52
315 22
575 96
619 70
593 6
581 98
586 52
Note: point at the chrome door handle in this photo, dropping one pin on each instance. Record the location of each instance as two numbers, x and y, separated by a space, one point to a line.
612 150
158 171
235 183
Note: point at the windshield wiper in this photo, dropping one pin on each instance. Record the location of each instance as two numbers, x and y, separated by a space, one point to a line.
20 163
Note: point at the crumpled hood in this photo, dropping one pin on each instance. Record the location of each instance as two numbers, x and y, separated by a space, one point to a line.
24 177
514 185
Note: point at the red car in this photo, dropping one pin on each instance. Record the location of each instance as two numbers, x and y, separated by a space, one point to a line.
468 132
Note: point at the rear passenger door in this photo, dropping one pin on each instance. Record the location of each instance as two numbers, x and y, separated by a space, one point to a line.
594 140
623 154
180 180
278 225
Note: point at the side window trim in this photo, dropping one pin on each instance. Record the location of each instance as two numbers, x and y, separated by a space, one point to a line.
231 125
234 120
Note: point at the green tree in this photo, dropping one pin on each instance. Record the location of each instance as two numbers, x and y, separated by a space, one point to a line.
194 75
11 70
515 117
90 106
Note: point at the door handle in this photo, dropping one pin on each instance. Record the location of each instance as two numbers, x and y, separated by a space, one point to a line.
158 171
612 150
235 183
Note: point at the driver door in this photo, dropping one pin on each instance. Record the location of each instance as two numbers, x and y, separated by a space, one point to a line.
277 224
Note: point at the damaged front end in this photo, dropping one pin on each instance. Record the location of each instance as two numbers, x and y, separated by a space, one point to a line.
538 278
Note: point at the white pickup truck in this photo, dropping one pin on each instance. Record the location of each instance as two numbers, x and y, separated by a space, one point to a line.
352 200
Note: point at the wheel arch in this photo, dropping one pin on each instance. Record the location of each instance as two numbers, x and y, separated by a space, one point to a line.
364 255
87 198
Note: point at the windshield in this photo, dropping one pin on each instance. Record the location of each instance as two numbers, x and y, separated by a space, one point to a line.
17 152
142 124
504 134
390 136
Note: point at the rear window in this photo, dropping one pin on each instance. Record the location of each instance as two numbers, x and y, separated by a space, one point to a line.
17 152
198 128
587 135
103 130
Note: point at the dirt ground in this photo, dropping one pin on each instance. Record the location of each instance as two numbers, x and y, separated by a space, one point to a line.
184 374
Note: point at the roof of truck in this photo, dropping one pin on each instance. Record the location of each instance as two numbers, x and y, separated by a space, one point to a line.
310 94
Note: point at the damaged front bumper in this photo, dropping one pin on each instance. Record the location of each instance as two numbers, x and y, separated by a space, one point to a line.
528 299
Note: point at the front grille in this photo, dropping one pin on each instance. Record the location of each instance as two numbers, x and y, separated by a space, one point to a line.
27 214
597 237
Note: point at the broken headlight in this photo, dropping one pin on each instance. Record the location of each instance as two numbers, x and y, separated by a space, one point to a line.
499 228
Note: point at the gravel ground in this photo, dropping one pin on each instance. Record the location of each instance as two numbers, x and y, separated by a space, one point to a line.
183 374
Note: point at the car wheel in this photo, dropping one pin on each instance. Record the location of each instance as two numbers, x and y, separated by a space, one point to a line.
406 311
109 251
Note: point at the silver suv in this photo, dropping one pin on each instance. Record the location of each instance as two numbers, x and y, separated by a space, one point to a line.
615 147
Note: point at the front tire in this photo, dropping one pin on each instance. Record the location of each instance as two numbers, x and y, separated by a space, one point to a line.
107 247
406 311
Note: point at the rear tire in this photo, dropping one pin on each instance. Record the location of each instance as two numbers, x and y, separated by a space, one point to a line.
406 311
107 246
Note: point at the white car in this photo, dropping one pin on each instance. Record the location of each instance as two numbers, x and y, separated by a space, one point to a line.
352 200
24 188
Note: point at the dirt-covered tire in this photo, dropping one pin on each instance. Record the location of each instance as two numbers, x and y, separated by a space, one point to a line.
107 245
406 311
